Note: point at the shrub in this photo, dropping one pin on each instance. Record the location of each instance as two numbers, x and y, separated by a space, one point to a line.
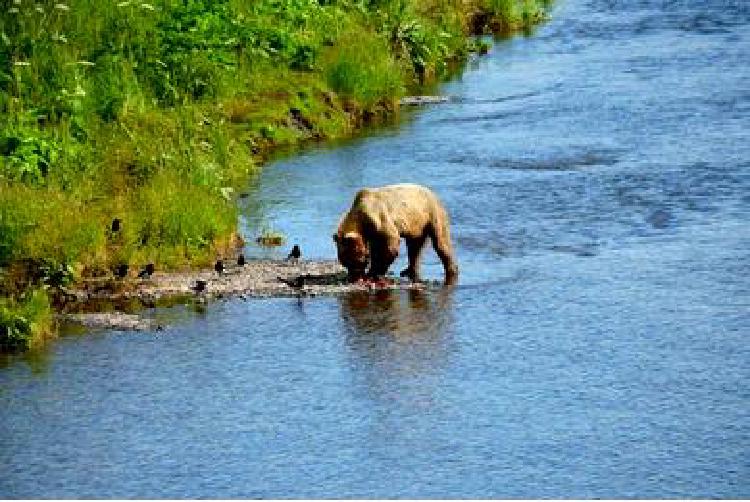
27 157
24 322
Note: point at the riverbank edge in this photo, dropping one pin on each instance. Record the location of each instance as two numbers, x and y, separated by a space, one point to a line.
113 303
33 320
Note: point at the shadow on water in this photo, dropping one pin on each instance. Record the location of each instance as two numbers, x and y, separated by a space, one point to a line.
37 360
395 314
396 340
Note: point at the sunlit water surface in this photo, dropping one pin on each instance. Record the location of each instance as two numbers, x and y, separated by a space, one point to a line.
597 177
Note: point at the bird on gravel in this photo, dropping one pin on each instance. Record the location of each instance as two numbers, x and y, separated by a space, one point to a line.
295 253
147 271
199 286
219 267
122 270
241 260
297 282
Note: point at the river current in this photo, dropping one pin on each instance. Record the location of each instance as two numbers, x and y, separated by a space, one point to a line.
597 173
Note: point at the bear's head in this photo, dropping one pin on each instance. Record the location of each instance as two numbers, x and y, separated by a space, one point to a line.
353 253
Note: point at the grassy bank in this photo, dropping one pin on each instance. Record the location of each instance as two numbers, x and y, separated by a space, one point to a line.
155 113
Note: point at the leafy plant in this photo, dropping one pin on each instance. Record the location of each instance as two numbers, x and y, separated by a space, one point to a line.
24 322
27 158
56 274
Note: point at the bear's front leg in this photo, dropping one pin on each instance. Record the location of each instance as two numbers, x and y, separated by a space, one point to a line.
382 256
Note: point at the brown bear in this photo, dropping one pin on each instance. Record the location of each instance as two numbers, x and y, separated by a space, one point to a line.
370 232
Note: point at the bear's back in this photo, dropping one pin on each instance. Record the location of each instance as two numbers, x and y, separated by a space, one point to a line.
393 193
409 206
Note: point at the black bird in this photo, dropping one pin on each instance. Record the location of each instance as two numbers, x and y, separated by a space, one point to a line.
295 253
241 260
219 267
200 286
116 225
147 271
122 270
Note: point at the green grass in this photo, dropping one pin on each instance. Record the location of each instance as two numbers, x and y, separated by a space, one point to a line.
25 322
156 113
509 15
363 68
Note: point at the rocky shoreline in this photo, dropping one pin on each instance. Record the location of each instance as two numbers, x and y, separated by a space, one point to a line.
83 303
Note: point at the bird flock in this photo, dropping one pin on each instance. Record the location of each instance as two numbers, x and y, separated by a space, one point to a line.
220 267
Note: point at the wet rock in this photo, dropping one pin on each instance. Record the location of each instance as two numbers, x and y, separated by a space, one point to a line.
113 320
423 100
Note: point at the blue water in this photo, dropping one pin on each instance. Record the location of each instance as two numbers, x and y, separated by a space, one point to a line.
597 175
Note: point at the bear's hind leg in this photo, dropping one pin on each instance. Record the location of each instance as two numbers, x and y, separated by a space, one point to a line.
441 241
414 248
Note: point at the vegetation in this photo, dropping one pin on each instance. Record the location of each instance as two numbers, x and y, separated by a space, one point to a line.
509 15
152 114
270 238
24 323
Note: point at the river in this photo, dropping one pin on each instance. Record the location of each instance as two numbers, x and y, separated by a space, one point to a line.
597 175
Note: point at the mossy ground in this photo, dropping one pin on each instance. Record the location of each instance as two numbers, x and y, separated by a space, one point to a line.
155 114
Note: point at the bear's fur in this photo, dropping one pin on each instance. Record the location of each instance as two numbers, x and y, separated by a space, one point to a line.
370 232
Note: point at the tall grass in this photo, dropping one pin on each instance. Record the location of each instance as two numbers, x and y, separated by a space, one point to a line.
363 68
26 321
507 15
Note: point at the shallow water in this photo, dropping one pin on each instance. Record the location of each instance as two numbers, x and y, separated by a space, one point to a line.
597 177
